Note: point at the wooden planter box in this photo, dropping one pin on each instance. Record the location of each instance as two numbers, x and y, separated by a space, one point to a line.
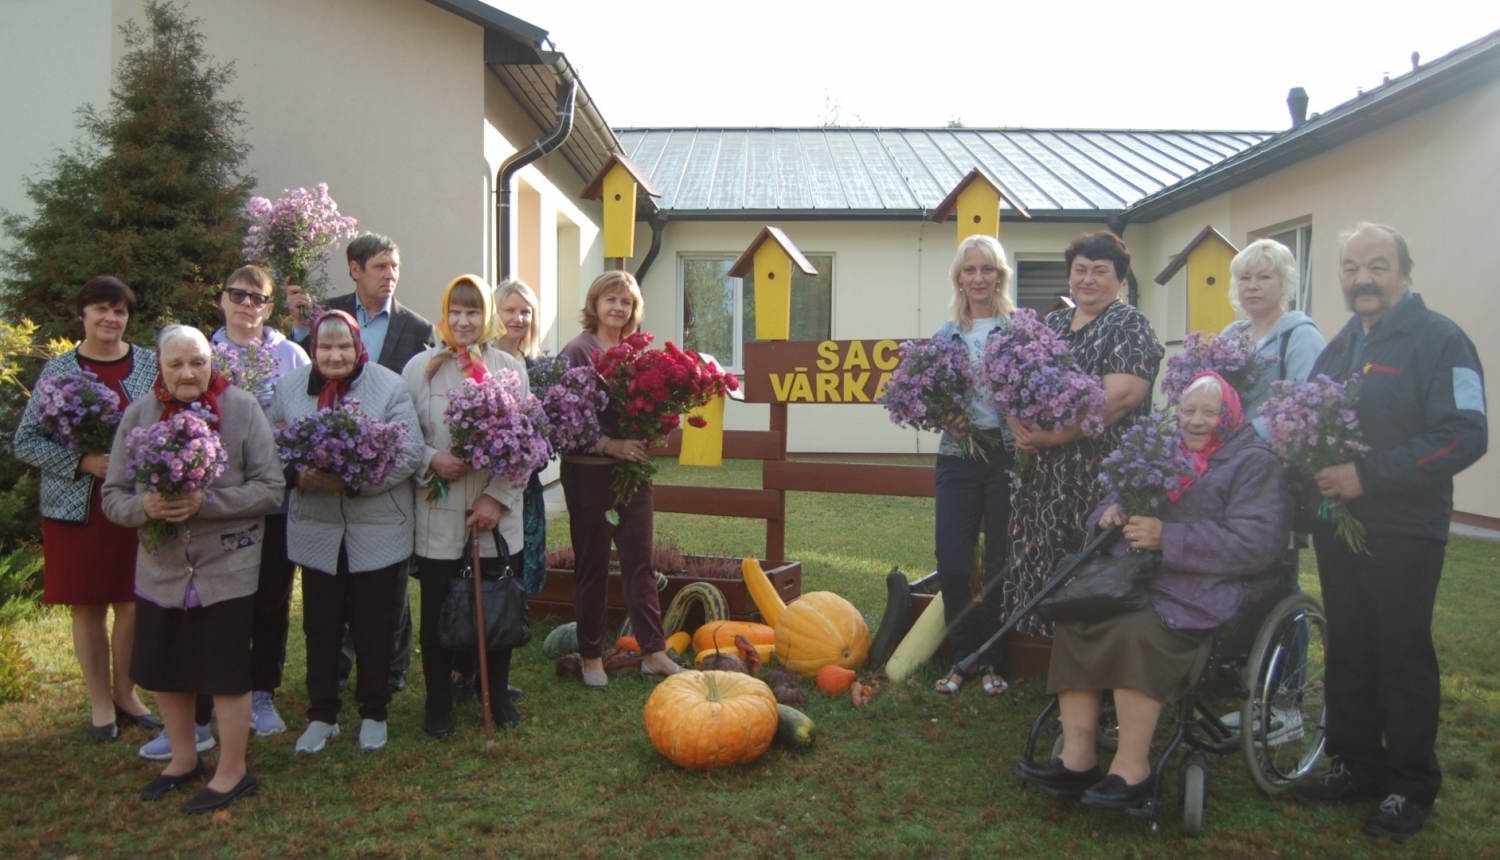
556 600
1025 656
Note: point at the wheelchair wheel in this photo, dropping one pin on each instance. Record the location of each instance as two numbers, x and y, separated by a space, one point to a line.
1281 722
1194 793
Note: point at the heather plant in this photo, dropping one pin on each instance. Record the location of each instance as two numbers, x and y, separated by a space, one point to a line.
1312 425
1233 358
345 442
930 390
295 236
176 457
1148 465
251 368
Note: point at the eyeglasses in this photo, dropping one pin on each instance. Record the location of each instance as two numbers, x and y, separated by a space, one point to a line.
239 297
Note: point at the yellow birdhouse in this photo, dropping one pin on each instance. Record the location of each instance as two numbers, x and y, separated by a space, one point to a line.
772 261
976 199
1207 259
704 446
617 183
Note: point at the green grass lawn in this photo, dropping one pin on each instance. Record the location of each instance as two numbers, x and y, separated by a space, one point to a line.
913 775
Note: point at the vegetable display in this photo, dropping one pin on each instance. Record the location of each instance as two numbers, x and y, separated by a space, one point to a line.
818 629
921 642
895 621
707 720
720 634
794 729
700 594
762 591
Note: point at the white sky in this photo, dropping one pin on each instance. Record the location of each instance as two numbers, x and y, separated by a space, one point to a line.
1061 63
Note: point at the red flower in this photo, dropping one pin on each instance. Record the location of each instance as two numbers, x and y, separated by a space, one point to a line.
697 421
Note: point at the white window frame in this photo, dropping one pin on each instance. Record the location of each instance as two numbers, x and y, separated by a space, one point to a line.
1302 253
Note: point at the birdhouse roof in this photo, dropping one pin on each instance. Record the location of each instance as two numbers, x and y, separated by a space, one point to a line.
949 205
1182 256
747 259
595 189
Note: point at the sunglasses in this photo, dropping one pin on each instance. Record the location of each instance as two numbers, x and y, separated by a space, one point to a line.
239 297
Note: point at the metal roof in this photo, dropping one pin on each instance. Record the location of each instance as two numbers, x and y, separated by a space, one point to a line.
1057 174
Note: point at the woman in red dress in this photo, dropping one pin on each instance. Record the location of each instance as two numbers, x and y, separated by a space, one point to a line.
90 561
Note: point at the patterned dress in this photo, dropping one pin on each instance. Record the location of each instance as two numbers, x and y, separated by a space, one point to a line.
1050 505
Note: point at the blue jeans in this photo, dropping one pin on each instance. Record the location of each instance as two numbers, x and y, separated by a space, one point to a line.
971 491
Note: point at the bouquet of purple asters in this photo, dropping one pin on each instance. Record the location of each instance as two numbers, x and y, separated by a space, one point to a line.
1147 466
496 430
294 235
571 403
930 389
77 411
1031 371
251 368
345 442
173 458
1311 426
545 371
1233 358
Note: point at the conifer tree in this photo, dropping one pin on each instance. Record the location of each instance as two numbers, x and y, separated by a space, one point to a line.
153 193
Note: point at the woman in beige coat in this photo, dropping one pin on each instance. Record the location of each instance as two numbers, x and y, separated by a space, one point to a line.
464 497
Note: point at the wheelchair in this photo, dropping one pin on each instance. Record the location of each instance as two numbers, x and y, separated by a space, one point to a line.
1258 659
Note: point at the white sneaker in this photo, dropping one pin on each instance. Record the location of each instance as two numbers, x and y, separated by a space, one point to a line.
372 735
316 737
1286 725
160 749
1231 720
263 716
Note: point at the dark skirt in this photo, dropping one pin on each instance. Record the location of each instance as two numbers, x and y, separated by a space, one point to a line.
204 650
1135 651
88 563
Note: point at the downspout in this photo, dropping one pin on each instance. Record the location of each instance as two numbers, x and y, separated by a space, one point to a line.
513 165
658 226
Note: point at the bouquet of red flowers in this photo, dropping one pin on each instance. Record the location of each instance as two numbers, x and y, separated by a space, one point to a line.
651 389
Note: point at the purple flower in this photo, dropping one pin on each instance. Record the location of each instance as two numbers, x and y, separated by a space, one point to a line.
571 401
1148 464
930 390
1233 358
495 430
252 368
176 457
78 411
293 235
346 442
1312 425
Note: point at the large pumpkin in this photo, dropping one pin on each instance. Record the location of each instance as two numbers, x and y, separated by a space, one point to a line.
820 628
704 720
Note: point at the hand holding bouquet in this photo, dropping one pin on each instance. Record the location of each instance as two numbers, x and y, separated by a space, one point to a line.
1233 358
1031 371
77 411
1148 465
345 443
495 430
174 458
930 390
1311 426
651 389
251 368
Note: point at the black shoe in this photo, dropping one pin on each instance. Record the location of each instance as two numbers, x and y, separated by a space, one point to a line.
1397 818
102 734
438 724
1055 779
397 684
147 720
506 714
1342 784
513 692
164 784
208 800
1114 793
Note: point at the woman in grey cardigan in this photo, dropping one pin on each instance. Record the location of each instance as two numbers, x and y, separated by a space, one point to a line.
350 545
90 561
195 593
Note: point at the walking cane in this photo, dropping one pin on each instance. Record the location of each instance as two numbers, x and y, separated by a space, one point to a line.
484 661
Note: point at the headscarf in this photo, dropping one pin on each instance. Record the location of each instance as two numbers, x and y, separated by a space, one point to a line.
470 358
1231 419
330 392
171 405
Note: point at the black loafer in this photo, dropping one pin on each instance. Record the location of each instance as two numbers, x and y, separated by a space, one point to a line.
147 720
438 725
507 715
1055 779
208 800
513 691
1114 793
103 734
163 785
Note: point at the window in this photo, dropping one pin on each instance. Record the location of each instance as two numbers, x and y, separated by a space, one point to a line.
1040 283
1298 240
718 312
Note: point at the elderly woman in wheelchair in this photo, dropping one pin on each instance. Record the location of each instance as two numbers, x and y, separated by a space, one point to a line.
1217 534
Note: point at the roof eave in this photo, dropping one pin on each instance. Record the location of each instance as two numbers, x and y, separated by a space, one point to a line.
1071 216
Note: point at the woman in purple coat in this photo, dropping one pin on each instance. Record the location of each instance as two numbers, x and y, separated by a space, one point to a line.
1217 533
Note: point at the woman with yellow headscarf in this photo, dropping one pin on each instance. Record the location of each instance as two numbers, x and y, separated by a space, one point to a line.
460 497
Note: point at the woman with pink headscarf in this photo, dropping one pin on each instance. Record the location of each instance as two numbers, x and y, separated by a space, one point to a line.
1218 532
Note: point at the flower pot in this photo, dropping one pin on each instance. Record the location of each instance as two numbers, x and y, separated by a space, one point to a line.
556 599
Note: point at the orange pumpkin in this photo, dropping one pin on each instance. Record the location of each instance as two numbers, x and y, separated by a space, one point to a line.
705 720
833 679
819 629
720 634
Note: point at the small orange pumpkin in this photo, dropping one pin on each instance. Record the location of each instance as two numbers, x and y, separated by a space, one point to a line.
820 628
833 679
705 720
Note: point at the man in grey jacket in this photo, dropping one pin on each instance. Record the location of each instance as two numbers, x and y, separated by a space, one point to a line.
392 333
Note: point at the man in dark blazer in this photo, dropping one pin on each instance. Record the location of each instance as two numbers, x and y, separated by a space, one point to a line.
392 333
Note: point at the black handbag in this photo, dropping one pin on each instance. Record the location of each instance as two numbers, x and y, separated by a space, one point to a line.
1101 587
504 602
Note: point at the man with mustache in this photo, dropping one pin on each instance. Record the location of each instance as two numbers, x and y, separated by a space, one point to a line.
1422 413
